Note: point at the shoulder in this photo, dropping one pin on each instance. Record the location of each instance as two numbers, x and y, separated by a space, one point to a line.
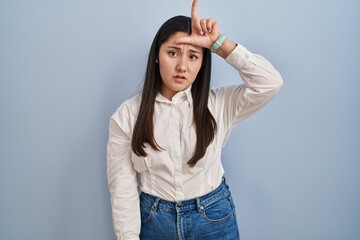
129 106
126 114
223 92
223 97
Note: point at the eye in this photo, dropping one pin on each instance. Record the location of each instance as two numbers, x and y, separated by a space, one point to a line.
193 57
173 53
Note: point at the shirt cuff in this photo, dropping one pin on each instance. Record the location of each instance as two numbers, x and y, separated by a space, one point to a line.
238 57
128 237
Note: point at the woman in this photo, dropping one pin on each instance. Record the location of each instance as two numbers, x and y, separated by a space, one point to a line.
172 135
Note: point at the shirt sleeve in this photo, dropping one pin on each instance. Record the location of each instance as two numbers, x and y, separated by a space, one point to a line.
261 82
122 179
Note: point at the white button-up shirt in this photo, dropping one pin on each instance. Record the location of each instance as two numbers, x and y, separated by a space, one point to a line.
166 173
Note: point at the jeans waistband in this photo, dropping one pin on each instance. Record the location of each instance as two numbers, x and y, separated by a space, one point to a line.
195 203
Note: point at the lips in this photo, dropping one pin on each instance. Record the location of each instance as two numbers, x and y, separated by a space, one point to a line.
179 78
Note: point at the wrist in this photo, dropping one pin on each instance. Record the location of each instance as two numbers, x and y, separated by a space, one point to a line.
226 48
218 43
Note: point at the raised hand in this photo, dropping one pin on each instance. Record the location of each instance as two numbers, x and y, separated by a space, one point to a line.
204 31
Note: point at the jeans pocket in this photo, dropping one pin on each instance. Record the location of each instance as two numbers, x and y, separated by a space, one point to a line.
146 210
219 210
145 213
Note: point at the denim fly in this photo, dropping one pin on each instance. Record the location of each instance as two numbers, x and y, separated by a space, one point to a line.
209 217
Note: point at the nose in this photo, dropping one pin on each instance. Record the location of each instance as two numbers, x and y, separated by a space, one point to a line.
181 65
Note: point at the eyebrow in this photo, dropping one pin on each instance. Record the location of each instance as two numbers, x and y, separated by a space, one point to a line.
179 49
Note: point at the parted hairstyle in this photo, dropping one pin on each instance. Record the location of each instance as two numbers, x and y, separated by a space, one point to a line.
205 123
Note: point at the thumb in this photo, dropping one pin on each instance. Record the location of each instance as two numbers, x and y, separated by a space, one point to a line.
185 40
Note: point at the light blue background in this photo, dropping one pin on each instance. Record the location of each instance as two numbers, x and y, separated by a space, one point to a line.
66 65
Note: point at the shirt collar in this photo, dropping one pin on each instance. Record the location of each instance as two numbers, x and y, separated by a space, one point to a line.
179 97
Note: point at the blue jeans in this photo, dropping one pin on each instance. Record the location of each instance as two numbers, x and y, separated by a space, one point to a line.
209 217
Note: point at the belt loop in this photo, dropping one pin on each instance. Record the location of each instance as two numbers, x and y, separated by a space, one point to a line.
198 204
154 206
224 182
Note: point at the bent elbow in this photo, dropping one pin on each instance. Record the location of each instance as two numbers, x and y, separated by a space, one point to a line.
278 81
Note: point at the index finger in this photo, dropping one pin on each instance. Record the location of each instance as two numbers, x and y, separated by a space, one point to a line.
194 9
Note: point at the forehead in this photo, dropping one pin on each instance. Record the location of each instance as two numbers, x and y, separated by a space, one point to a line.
171 41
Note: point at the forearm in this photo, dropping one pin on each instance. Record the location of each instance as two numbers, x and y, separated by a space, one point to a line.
261 82
256 72
123 185
226 48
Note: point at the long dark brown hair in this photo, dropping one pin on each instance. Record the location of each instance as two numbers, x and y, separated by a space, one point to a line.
205 123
